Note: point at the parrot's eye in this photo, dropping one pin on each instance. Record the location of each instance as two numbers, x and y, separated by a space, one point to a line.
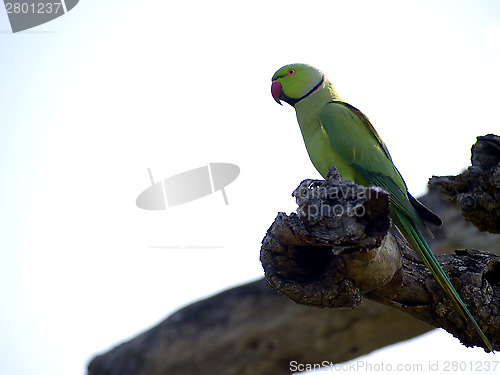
291 72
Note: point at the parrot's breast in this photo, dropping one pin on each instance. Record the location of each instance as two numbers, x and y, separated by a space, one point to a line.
322 153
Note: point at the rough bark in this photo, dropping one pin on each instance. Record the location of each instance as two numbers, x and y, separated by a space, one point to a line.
338 249
253 330
477 190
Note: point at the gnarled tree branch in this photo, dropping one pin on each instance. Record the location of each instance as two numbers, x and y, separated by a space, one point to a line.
338 248
253 330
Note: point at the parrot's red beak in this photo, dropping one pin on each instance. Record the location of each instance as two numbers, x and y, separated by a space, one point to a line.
276 91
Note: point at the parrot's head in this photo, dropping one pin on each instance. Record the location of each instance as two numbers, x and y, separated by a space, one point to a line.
294 82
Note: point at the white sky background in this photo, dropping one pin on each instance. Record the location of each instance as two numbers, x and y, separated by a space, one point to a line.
93 98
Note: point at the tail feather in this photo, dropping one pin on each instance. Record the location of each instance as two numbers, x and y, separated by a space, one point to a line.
413 235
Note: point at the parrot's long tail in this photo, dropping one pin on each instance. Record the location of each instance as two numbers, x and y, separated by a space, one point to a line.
414 236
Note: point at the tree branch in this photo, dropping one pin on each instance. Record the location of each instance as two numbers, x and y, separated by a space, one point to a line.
338 248
253 330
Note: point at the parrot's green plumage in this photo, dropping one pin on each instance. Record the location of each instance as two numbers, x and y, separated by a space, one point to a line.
336 133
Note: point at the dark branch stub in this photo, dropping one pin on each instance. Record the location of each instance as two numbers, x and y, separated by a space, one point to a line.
477 190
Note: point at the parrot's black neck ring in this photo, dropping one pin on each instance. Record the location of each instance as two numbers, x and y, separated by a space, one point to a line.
293 101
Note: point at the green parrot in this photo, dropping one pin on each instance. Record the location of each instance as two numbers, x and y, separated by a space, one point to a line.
336 133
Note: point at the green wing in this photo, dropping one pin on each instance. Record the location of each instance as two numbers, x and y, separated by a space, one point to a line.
352 135
355 140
